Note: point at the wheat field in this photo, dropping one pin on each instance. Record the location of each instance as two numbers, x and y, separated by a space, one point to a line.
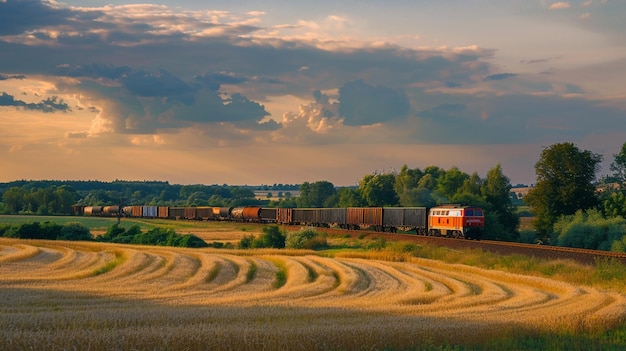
92 296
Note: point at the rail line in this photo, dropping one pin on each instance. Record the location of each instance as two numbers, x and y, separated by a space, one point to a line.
585 256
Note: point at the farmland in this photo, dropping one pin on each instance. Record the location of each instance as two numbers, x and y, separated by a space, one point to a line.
98 296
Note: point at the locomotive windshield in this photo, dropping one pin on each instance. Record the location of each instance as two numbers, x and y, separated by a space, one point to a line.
474 212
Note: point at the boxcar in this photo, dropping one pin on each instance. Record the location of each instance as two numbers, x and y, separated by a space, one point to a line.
163 212
149 211
204 213
177 212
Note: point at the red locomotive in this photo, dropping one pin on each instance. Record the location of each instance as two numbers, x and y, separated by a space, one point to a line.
457 221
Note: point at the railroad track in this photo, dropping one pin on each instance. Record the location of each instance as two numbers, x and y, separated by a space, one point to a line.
584 256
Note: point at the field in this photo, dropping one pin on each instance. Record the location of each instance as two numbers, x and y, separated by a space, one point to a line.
94 296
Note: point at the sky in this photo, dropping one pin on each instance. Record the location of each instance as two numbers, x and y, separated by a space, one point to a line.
274 91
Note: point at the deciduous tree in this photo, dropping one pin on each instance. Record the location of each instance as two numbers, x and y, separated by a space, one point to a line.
564 184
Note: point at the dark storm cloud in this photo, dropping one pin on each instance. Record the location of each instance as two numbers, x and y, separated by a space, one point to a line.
92 71
7 77
514 118
364 104
162 84
215 80
17 16
500 76
51 104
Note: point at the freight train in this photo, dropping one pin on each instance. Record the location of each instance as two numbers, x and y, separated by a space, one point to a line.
453 220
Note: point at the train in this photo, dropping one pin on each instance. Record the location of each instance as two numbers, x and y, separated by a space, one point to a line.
450 220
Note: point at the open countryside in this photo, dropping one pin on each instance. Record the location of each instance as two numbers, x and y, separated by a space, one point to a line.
61 294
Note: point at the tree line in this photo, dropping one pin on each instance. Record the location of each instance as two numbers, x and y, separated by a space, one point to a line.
562 200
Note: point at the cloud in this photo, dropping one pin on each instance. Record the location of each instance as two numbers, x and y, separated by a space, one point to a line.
364 104
500 76
17 16
560 5
52 104
7 77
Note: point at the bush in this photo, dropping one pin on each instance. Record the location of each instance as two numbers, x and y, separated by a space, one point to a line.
246 242
75 231
271 237
528 237
35 230
305 238
589 230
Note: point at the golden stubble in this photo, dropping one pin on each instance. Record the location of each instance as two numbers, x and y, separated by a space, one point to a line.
85 290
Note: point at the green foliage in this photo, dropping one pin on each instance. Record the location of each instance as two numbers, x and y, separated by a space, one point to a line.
155 236
246 241
305 238
614 204
75 231
589 230
378 190
564 184
318 194
619 165
47 230
272 237
528 236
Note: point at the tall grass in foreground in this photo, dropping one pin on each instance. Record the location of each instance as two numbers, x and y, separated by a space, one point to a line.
606 273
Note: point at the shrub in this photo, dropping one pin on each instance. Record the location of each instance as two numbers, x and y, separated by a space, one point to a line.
246 242
75 231
271 237
305 238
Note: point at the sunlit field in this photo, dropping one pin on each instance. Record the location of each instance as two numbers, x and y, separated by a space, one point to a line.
94 296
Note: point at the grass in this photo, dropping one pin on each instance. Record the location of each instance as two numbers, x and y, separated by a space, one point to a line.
394 296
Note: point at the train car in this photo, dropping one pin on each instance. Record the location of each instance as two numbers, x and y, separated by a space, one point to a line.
190 213
136 211
78 210
176 213
457 221
329 217
405 218
204 213
222 213
163 212
149 211
268 215
93 210
364 217
110 211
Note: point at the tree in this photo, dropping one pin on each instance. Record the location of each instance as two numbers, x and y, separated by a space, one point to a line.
451 182
619 166
497 192
378 190
316 194
564 184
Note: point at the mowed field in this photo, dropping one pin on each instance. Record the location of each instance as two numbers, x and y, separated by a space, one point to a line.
93 296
